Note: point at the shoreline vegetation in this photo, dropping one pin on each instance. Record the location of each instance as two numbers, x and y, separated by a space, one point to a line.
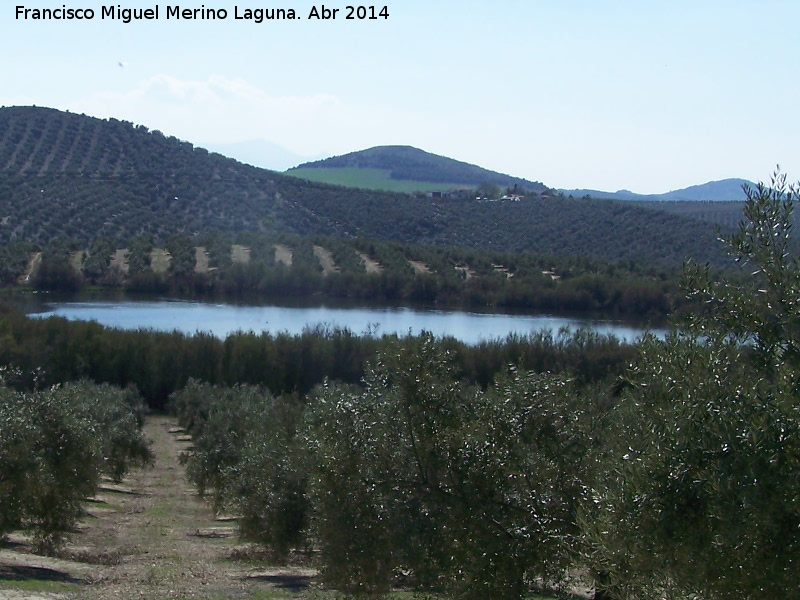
160 363
359 271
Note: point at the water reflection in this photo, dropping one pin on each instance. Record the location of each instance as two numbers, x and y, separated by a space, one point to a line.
221 320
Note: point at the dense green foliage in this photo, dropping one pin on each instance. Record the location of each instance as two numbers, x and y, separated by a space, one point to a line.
725 215
701 487
54 446
14 259
474 491
468 489
72 176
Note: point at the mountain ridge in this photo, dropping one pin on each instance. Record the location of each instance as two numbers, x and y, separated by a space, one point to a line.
722 190
72 176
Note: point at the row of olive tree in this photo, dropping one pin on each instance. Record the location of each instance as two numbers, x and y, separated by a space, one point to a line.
466 489
682 481
247 453
55 444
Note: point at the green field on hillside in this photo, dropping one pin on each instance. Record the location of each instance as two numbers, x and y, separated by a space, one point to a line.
369 179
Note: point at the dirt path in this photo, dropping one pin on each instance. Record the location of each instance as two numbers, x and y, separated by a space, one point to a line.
420 268
240 254
76 260
465 271
159 260
149 538
33 264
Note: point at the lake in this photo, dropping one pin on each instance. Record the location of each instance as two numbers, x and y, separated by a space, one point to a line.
221 320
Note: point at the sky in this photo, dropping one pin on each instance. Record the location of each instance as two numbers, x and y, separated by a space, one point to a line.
645 95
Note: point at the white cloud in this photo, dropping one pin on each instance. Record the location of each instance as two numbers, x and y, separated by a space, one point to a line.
224 110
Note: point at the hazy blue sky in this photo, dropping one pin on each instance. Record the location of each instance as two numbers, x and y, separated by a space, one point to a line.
647 95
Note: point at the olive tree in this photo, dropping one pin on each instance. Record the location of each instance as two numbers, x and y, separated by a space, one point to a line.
55 445
246 455
701 494
458 488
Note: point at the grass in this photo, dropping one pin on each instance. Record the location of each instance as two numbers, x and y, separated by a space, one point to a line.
103 504
160 511
39 586
369 179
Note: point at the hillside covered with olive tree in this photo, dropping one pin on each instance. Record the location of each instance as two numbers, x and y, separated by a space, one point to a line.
406 164
72 176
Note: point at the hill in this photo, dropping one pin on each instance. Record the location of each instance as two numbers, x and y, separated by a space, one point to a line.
724 190
405 168
74 176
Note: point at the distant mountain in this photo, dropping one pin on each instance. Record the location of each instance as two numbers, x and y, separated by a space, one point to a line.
72 176
724 190
387 165
260 153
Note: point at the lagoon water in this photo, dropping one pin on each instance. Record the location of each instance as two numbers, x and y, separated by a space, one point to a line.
221 320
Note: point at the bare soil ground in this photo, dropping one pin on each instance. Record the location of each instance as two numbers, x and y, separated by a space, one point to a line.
465 270
325 260
120 260
502 269
240 254
283 254
370 265
76 259
149 538
420 268
201 260
159 260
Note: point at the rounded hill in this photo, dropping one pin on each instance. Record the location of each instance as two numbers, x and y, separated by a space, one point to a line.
406 163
